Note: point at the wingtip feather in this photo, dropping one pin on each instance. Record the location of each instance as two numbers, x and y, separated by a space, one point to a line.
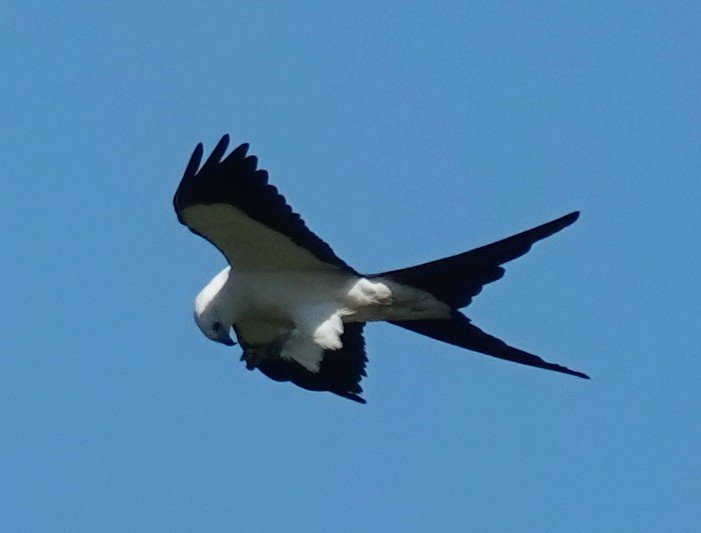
194 162
218 152
240 151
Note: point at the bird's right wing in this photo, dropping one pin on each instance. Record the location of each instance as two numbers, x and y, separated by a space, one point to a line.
339 371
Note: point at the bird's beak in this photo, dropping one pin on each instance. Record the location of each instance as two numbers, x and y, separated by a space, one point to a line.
224 338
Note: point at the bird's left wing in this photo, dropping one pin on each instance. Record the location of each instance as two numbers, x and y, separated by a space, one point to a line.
230 203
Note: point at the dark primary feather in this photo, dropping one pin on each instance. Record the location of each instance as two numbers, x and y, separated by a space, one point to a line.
459 331
456 279
236 181
340 371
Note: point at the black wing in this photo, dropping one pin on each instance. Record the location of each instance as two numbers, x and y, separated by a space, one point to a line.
230 203
340 371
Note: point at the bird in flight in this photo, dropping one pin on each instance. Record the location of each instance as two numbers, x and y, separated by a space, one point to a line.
297 309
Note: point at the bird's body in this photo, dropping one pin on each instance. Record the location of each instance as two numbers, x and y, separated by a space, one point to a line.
268 303
297 309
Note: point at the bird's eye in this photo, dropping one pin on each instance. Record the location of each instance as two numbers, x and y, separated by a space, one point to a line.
216 326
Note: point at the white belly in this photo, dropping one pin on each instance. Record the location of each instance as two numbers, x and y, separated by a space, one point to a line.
308 309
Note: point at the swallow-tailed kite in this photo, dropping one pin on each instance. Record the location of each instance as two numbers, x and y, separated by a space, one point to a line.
297 309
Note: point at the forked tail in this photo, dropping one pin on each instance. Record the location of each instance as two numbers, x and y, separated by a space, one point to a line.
457 279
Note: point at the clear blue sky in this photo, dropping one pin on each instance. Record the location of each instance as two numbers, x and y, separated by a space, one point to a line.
401 131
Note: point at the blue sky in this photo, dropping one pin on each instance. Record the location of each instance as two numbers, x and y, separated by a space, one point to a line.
402 132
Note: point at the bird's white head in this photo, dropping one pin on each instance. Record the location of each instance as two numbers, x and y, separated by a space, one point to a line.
209 315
